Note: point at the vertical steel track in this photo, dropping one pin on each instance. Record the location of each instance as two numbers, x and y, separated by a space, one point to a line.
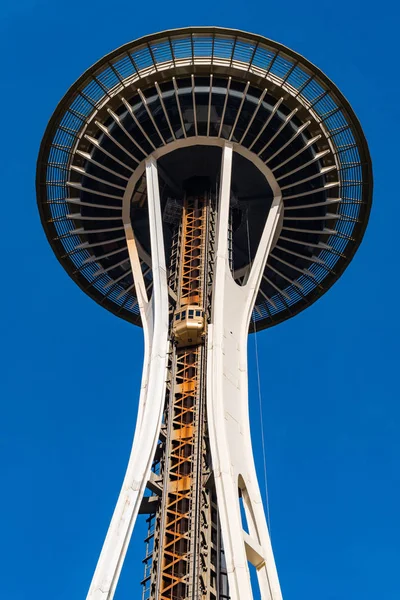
184 556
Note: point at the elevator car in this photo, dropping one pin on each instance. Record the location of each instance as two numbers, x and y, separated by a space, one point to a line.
188 326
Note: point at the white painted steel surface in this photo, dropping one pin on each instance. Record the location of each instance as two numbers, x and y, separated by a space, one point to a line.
154 314
227 408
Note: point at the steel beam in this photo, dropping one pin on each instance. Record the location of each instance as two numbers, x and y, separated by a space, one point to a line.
154 314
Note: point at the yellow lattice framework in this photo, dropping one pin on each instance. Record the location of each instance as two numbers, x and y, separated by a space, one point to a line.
177 549
193 241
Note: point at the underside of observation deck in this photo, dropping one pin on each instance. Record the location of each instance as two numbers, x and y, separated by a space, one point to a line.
160 93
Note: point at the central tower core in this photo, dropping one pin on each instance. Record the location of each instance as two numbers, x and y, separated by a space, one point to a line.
187 557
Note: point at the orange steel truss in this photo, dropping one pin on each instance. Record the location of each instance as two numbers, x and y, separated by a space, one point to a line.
192 257
177 550
178 547
184 545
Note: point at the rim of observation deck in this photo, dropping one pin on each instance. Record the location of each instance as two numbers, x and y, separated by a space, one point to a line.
195 65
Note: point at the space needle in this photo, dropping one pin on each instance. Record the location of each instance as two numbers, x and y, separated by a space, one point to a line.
200 183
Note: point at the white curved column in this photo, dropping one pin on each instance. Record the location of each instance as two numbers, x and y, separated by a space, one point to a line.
154 315
227 407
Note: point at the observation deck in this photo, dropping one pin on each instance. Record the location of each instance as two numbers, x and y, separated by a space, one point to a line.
179 95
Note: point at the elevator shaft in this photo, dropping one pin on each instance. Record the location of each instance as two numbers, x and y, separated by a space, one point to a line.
186 549
179 544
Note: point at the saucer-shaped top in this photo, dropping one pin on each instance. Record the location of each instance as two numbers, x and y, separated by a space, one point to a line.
193 84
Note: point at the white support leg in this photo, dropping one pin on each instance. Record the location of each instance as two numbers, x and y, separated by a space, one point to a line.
227 408
154 315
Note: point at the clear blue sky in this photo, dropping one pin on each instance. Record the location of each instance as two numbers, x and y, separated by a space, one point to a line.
71 370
